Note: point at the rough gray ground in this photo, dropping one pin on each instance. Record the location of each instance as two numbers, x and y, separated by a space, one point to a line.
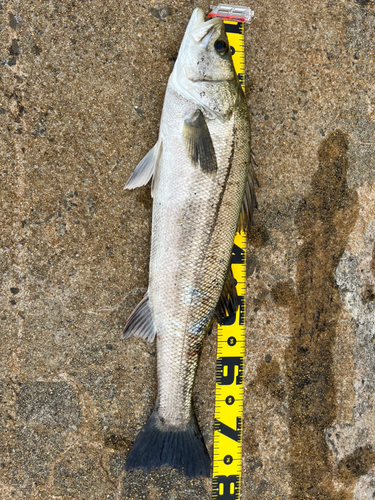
82 87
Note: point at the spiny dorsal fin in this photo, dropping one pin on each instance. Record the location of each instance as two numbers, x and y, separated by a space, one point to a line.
228 301
249 201
198 143
146 168
140 323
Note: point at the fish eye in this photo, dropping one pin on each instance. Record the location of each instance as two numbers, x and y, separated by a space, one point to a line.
221 47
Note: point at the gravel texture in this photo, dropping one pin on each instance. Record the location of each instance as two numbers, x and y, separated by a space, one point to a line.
81 91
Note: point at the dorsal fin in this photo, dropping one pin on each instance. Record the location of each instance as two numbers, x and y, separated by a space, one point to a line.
228 301
249 201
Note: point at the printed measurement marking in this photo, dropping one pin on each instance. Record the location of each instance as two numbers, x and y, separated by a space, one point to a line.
227 459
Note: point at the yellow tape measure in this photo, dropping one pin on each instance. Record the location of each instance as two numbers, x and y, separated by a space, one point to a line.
229 388
227 460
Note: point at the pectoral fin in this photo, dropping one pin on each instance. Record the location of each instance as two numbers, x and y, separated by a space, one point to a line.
146 168
249 201
198 143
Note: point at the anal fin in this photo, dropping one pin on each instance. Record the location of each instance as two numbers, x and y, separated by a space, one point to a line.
140 322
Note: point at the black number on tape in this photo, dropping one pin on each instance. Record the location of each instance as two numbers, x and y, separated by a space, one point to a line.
226 487
231 433
238 255
228 365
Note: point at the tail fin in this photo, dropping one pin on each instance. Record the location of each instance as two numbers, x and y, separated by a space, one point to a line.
183 450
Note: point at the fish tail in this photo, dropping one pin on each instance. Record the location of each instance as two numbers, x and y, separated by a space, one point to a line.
183 450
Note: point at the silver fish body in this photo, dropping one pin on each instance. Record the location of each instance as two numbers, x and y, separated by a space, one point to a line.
201 191
195 216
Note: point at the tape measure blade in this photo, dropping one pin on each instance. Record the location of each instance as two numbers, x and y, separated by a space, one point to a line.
236 39
227 455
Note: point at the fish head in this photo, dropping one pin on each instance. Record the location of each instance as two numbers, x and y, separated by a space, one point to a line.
204 68
205 53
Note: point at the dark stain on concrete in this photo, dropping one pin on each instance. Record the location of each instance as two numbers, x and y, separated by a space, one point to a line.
269 379
357 464
362 3
14 49
260 299
254 463
161 13
251 263
368 294
258 235
118 443
13 22
262 488
251 445
283 293
324 219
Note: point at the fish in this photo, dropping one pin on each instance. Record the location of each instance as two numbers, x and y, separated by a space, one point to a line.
203 191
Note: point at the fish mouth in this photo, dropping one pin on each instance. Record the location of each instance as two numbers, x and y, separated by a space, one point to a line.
206 39
197 80
197 19
203 30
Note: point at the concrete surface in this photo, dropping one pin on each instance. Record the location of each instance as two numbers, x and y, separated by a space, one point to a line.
82 86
